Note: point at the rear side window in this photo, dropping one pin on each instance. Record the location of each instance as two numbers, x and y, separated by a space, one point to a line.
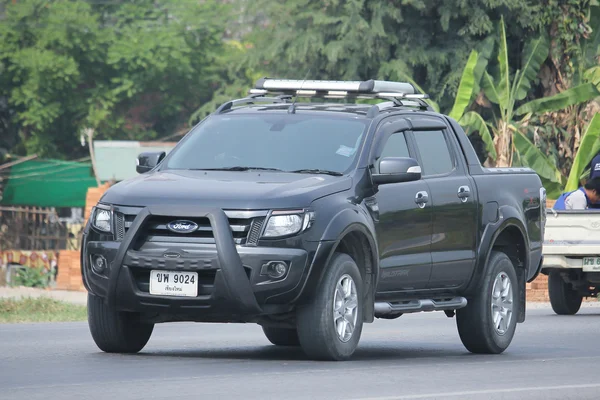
434 152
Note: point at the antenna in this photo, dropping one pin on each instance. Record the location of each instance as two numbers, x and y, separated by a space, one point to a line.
292 109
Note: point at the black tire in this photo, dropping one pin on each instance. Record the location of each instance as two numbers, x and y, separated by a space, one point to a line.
116 332
282 336
563 298
316 327
475 322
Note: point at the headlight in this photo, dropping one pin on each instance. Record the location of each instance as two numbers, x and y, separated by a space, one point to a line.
285 223
102 220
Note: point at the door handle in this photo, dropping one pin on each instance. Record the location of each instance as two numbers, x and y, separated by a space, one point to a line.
464 193
421 198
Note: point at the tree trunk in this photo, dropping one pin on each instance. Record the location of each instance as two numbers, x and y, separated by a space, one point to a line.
503 144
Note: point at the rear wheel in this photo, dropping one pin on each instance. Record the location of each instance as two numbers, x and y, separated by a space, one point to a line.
281 336
563 298
114 331
487 324
329 328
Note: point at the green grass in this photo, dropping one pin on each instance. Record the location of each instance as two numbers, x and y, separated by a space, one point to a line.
42 309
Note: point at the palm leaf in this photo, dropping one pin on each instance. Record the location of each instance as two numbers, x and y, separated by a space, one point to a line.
589 147
534 54
474 121
531 156
504 86
592 75
591 46
465 88
577 95
485 50
490 88
553 189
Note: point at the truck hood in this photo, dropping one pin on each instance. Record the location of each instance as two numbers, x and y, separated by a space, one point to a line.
225 189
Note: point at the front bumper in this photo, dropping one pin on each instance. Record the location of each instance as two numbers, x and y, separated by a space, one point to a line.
230 286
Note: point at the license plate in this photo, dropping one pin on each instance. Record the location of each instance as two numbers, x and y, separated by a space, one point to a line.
591 264
174 283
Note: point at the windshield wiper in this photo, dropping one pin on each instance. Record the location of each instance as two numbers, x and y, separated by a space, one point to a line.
317 171
237 168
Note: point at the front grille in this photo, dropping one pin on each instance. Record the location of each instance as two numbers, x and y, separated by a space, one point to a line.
155 231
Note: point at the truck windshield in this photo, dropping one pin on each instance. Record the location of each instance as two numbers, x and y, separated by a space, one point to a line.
290 142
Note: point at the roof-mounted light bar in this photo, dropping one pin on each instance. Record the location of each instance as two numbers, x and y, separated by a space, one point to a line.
338 89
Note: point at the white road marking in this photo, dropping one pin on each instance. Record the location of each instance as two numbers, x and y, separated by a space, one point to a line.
479 392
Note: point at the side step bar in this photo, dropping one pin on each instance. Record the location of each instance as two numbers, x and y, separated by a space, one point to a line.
413 306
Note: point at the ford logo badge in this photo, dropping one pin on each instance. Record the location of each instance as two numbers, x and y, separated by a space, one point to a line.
182 226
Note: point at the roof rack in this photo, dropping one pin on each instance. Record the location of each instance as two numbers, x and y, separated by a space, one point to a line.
397 94
371 89
253 98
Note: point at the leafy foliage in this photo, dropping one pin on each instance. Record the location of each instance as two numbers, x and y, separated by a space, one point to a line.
428 41
504 90
529 154
574 96
590 146
145 69
129 70
32 277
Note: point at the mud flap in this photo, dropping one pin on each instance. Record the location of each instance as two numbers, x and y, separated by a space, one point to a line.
522 294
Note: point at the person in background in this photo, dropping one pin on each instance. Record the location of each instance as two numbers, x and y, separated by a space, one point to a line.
595 173
581 199
595 167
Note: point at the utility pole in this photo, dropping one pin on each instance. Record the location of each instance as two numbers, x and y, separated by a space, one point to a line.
89 133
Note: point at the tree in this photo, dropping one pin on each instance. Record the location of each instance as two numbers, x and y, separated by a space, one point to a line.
133 70
427 41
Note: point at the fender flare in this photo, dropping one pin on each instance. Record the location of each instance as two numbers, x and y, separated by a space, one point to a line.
342 224
508 216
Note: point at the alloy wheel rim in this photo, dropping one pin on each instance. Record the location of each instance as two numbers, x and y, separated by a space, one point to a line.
502 303
345 307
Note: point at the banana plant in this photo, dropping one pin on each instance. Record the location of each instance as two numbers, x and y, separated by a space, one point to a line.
589 147
505 92
529 154
586 63
468 89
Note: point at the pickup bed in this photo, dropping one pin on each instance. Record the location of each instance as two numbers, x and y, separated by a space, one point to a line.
312 219
572 258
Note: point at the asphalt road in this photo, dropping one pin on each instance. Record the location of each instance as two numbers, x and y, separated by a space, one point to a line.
417 356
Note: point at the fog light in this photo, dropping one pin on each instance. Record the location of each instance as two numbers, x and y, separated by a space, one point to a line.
98 264
275 269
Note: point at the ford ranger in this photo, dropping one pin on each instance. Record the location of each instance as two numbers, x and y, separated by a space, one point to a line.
313 218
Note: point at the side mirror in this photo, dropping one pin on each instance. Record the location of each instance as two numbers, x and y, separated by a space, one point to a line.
146 161
396 170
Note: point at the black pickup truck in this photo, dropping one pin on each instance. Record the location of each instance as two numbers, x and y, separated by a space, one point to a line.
312 218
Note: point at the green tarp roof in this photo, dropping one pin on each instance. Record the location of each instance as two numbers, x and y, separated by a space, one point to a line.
47 183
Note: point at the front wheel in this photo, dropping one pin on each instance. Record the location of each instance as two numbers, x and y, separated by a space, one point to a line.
563 298
329 327
487 324
114 331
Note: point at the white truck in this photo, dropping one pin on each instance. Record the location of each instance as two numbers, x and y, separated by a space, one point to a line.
571 258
